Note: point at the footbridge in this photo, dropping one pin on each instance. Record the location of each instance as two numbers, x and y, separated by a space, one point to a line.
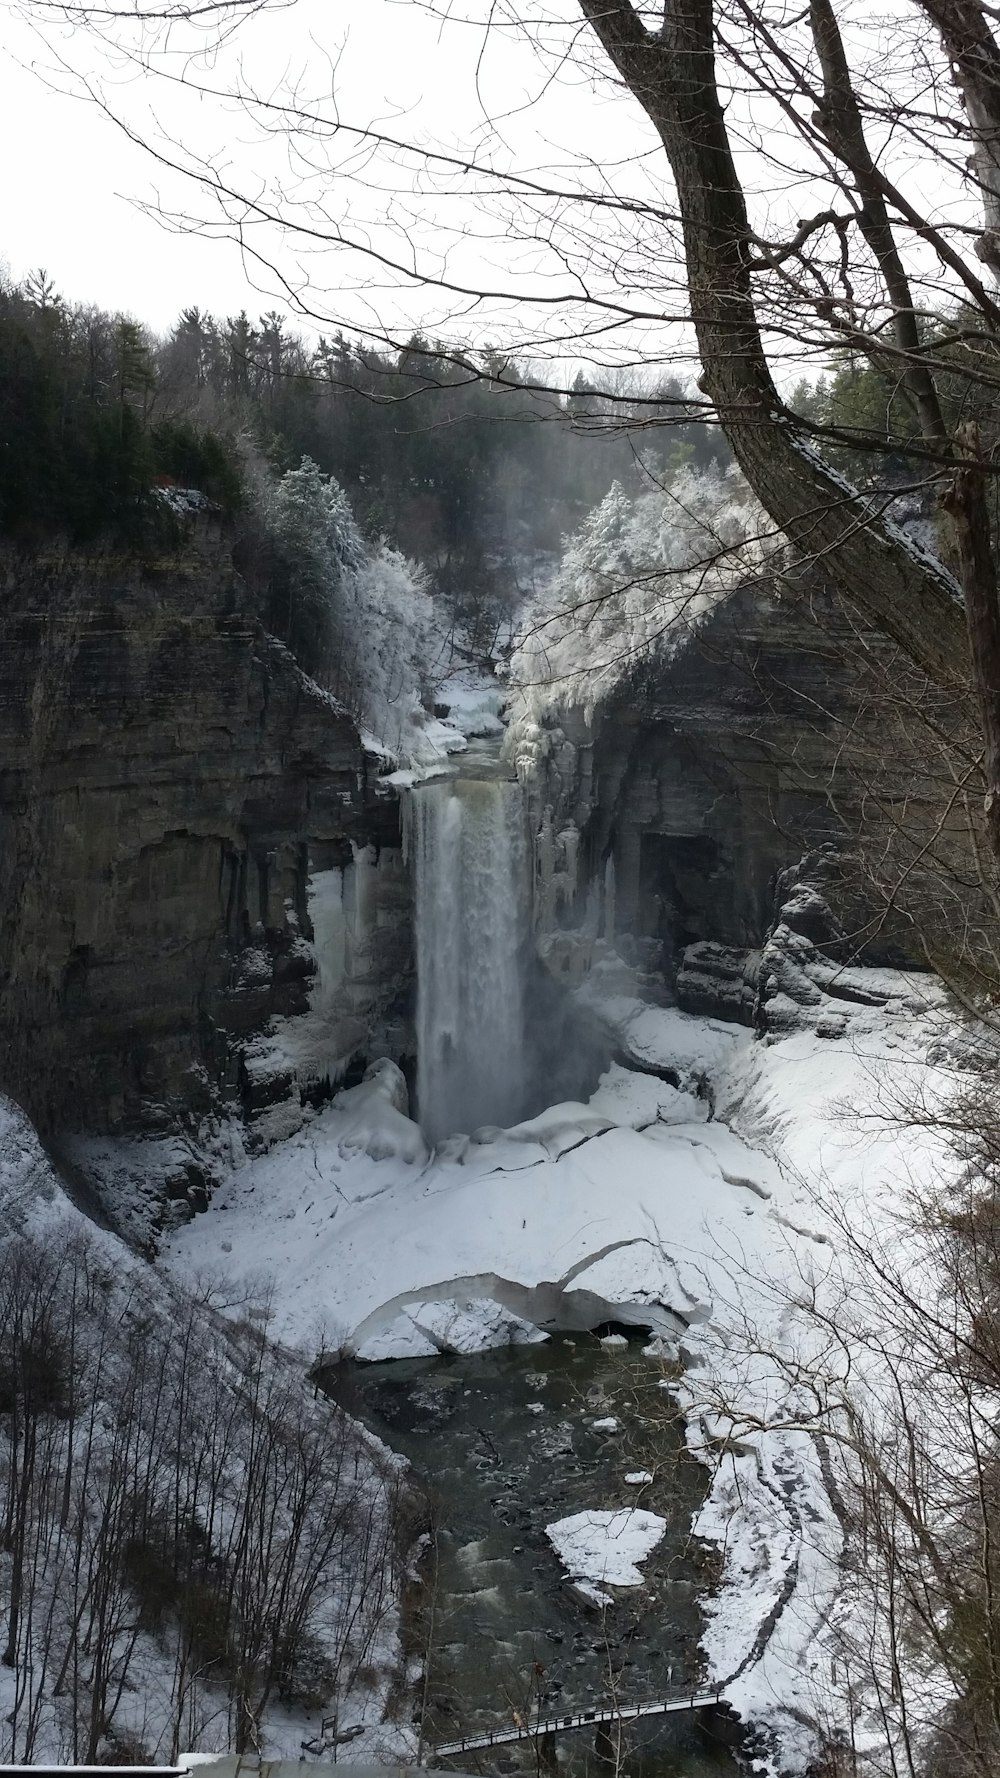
545 1728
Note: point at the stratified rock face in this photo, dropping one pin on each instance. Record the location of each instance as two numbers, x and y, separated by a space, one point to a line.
669 820
172 790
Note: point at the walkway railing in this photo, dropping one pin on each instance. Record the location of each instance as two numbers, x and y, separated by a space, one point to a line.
539 1727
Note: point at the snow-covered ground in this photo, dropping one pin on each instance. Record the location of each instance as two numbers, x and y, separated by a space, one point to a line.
473 700
641 1206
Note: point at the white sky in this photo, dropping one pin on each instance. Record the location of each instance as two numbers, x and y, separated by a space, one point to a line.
72 178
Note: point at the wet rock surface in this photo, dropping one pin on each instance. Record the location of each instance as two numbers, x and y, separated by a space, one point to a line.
170 782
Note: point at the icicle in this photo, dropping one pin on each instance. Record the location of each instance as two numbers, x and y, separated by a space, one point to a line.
609 899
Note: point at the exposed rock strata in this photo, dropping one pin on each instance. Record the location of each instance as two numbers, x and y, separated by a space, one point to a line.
172 786
672 819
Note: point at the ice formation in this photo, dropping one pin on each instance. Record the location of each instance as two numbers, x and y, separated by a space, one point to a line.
605 1548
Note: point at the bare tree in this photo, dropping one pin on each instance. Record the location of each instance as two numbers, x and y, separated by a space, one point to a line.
888 265
173 1494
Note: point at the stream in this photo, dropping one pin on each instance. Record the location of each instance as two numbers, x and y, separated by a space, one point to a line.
503 1443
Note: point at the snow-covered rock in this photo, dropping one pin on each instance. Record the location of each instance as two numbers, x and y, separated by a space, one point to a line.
422 1329
375 1117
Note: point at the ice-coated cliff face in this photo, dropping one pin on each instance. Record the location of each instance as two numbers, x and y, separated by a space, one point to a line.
178 802
469 854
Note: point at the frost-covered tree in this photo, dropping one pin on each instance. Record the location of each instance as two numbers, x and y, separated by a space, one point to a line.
631 583
316 540
399 641
359 618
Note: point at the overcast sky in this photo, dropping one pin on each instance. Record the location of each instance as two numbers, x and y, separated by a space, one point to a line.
74 183
72 178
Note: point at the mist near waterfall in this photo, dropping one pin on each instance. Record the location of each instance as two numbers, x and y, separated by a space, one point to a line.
496 1039
473 929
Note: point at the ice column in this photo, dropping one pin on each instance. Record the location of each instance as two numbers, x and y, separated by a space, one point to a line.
470 865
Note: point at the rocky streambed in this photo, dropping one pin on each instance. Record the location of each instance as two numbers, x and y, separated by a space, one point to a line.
505 1444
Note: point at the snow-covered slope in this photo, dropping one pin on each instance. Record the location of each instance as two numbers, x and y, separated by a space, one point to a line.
142 1611
639 1207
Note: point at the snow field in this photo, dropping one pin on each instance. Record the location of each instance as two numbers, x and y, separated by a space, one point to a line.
632 1208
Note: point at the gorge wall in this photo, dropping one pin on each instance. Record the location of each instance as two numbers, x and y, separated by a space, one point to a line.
205 905
716 779
178 802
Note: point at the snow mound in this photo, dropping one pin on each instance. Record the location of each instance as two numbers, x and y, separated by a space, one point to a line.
664 1037
605 1548
622 1100
556 1130
636 1100
424 1329
376 1120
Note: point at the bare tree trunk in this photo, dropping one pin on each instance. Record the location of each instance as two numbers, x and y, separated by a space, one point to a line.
975 57
671 72
967 504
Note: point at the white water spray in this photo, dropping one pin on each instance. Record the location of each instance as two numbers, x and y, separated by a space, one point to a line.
470 863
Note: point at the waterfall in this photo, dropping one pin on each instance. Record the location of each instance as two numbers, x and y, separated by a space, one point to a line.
469 855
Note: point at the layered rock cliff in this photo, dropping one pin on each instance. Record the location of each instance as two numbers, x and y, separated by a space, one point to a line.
178 801
679 817
205 905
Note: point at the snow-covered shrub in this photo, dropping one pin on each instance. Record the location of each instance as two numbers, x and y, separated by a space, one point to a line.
633 581
359 618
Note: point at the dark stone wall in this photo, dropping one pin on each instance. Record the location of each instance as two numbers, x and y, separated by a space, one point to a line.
767 735
168 780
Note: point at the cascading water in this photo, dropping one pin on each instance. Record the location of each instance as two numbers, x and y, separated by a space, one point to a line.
469 854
